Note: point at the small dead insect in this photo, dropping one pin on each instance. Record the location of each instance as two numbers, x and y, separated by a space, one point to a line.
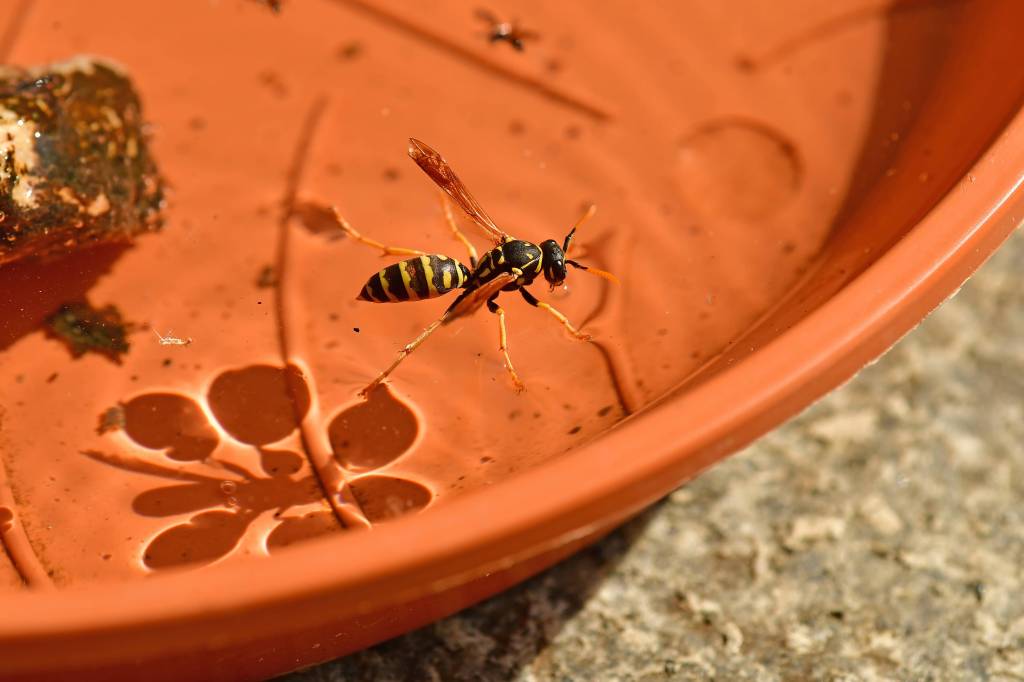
509 31
511 265
171 340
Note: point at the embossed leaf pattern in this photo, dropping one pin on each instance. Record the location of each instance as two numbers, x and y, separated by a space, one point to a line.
172 421
258 406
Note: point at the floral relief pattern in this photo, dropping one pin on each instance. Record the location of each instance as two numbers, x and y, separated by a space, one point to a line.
258 406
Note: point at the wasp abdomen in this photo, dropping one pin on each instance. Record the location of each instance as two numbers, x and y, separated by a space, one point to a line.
415 279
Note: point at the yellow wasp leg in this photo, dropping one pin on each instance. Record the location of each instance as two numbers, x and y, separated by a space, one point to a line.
503 345
446 207
385 249
402 355
556 314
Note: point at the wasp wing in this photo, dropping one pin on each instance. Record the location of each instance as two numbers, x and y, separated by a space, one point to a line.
473 300
438 170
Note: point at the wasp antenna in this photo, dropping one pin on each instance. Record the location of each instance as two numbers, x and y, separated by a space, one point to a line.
594 271
591 210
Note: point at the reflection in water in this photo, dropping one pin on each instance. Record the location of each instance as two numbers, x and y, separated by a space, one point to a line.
36 288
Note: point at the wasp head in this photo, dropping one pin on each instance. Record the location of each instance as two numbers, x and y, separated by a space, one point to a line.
554 262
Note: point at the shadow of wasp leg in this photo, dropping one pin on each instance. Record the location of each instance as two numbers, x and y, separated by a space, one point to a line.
446 208
557 315
403 354
503 343
373 243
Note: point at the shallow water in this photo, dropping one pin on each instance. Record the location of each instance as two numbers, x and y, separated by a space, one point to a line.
717 176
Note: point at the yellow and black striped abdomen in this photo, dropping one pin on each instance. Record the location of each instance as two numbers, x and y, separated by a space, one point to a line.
415 279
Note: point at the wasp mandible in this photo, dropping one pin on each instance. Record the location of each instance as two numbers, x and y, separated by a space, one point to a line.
511 265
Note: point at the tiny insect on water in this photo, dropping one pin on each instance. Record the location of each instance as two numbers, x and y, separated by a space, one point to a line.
511 265
505 31
171 340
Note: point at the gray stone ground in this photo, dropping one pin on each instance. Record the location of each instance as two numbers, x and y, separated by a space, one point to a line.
880 535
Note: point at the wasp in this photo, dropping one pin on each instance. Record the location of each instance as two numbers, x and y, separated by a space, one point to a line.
511 265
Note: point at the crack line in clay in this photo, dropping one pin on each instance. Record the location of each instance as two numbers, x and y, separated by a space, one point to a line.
10 34
331 478
15 542
832 26
468 56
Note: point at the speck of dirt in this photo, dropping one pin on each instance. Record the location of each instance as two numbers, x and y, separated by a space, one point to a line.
355 329
348 51
745 64
52 378
605 410
167 362
274 5
574 430
267 278
273 82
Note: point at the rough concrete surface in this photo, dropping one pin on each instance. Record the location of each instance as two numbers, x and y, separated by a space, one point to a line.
880 535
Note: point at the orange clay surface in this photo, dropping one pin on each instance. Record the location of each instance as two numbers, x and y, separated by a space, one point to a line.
749 161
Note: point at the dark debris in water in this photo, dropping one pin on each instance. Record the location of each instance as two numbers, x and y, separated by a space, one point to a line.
85 329
112 419
267 278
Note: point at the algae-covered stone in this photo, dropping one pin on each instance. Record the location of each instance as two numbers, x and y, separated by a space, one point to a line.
74 167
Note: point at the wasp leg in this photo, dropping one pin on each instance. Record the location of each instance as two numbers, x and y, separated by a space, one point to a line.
385 249
403 354
503 343
557 315
446 207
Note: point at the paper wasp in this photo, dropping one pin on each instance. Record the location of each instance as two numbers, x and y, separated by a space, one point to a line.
511 265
